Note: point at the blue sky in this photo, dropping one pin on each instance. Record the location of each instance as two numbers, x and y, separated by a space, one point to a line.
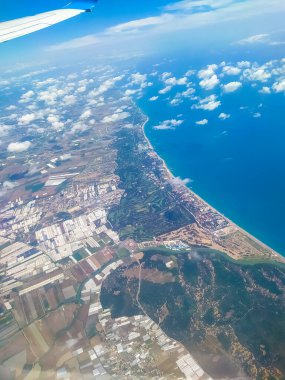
136 27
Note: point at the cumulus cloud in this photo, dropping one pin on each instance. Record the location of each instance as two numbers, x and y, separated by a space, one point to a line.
132 92
256 74
202 122
231 70
55 122
165 90
138 79
188 93
279 86
11 108
165 75
265 90
210 82
27 118
179 97
18 147
257 115
177 100
117 116
208 72
105 86
178 181
244 64
25 98
232 87
4 129
86 114
153 98
210 103
224 116
172 81
69 100
168 124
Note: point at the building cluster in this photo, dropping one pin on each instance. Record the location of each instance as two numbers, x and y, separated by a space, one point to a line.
206 216
19 262
19 218
61 240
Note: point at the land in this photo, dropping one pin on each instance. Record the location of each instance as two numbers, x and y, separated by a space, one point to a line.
98 249
226 314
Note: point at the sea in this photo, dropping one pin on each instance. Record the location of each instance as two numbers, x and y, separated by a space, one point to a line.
237 165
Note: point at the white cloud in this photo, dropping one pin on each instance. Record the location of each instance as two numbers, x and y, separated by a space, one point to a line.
165 90
25 98
231 70
18 147
153 98
224 116
4 129
265 90
209 103
257 115
131 26
231 87
244 64
174 81
179 16
11 108
178 181
202 122
86 114
138 79
189 73
76 43
69 100
115 117
258 38
27 118
168 124
208 72
189 5
209 83
176 101
105 86
188 93
279 86
256 74
132 92
55 122
45 82
165 75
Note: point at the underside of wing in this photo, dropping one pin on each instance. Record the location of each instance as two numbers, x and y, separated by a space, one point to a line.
26 25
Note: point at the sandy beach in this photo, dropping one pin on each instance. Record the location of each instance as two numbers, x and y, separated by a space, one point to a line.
172 176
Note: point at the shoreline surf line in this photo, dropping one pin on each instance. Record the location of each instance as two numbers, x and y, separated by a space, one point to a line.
172 176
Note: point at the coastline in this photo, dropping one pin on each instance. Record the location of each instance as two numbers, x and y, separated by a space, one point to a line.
231 223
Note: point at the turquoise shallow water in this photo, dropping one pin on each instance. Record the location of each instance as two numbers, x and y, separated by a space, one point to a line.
237 165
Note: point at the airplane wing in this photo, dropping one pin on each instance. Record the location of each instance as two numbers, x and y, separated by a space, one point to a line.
26 25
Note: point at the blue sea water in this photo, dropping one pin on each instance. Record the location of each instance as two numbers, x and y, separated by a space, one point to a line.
238 164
